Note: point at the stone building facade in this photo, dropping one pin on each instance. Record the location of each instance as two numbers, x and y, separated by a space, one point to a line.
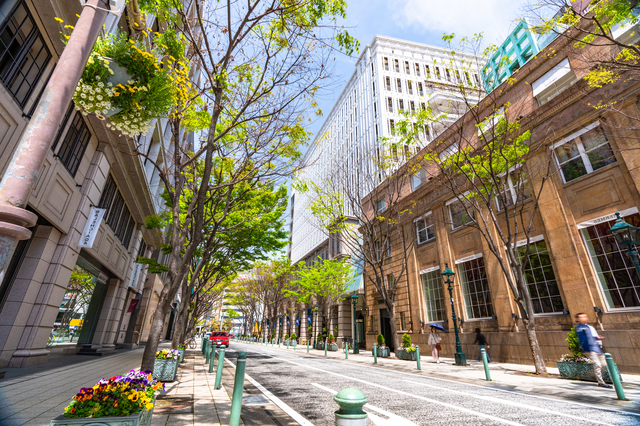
575 265
87 166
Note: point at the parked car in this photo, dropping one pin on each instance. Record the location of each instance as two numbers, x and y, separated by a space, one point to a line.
220 338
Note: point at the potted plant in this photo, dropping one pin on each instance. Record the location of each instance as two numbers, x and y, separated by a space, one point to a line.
408 350
119 401
320 342
286 339
132 84
382 350
293 337
181 350
576 366
166 365
332 345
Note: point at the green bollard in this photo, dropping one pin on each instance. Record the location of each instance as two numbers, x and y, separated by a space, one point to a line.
375 353
418 356
202 346
307 346
346 350
206 353
219 369
325 348
483 354
212 350
350 401
213 359
278 343
238 385
613 373
295 344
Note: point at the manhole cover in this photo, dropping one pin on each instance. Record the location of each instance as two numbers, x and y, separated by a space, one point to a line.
174 404
255 400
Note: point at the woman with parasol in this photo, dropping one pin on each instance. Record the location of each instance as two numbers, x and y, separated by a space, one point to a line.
434 341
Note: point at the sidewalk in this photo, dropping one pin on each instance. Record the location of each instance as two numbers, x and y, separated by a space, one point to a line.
513 377
37 397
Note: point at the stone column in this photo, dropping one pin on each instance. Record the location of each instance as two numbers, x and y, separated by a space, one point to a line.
345 321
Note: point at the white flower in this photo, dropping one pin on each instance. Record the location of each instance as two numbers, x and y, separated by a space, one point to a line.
90 98
83 96
99 97
100 84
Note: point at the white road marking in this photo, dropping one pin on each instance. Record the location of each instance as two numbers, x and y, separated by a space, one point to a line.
290 411
454 407
513 403
612 410
393 419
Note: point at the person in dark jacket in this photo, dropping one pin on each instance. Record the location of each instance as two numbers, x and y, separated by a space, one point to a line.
589 340
482 343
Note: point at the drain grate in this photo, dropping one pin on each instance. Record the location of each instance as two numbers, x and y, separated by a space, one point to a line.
255 400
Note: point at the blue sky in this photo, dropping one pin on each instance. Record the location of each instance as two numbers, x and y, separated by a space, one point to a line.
422 21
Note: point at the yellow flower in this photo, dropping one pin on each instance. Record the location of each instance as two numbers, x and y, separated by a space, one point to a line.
59 20
149 406
116 94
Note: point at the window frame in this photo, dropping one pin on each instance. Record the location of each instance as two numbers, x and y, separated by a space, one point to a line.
452 202
465 287
422 176
74 144
435 308
427 226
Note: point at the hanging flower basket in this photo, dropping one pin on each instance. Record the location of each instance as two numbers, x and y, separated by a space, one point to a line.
131 84
121 400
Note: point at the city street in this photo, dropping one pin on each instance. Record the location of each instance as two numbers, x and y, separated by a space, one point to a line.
307 385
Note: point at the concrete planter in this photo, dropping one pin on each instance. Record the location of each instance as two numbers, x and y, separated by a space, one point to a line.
181 354
382 353
583 371
406 355
165 370
332 348
142 418
320 346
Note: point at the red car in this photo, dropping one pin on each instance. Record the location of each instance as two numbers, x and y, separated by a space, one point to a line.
220 338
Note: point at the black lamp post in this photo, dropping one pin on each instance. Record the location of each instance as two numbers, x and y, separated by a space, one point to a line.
461 359
354 299
279 327
315 325
627 237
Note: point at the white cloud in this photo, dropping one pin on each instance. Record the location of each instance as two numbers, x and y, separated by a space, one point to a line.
494 18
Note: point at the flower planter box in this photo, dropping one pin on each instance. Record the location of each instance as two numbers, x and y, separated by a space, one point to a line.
181 354
583 371
320 346
382 353
165 370
142 418
406 355
332 348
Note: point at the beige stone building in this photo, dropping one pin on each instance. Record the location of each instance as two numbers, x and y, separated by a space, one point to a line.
574 263
87 166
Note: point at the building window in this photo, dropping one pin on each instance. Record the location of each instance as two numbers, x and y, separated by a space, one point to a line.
410 87
617 276
396 65
417 66
418 179
387 83
390 104
373 323
398 85
74 144
425 228
392 127
475 288
514 189
420 92
448 73
401 105
541 281
385 63
427 71
407 68
23 54
412 105
553 82
438 72
381 206
459 215
583 152
434 296
390 282
117 216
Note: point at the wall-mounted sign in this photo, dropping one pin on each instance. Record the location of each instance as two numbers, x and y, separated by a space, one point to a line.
137 269
91 227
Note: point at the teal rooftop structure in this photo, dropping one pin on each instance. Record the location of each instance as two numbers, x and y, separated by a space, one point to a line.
520 46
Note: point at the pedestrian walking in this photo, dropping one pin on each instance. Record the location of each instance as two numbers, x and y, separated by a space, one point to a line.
591 344
434 341
482 343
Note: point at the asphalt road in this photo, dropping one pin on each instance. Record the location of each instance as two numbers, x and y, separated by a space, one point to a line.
307 385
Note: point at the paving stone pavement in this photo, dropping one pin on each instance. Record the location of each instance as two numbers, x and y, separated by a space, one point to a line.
504 376
36 398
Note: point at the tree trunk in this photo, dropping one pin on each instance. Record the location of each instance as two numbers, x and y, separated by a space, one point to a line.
157 323
538 361
181 323
392 323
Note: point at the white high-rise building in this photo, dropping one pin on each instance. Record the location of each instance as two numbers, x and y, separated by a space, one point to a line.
391 76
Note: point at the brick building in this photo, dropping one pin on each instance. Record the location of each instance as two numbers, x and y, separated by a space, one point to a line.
574 263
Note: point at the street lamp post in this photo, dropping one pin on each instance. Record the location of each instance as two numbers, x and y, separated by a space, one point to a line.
315 325
354 299
279 327
627 236
461 359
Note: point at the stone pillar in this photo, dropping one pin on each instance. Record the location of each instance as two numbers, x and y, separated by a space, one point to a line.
105 333
345 321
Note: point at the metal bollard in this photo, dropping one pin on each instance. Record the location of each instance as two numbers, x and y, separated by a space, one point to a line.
325 348
613 373
375 353
346 350
350 401
219 369
295 344
206 352
483 354
238 385
202 346
307 346
213 359
418 356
